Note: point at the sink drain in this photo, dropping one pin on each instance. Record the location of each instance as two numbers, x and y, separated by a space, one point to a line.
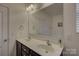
46 51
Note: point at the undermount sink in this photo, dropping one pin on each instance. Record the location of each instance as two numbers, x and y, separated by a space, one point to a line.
27 39
46 48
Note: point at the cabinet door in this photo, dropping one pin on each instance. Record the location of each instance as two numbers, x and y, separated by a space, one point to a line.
25 49
24 53
18 48
32 53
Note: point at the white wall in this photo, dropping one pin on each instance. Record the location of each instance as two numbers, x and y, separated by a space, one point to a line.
17 18
71 40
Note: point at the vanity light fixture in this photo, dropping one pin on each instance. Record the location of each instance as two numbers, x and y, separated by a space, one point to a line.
32 7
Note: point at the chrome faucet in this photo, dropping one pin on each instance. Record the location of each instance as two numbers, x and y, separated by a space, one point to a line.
48 43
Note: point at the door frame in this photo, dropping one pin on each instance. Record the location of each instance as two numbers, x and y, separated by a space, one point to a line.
7 26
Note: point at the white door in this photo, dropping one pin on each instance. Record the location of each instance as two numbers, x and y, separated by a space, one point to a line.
3 31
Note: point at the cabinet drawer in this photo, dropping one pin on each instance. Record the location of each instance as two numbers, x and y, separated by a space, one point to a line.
25 49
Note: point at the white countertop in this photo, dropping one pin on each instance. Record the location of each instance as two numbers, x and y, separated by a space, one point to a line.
34 45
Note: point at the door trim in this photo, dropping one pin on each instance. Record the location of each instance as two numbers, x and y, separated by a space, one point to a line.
7 26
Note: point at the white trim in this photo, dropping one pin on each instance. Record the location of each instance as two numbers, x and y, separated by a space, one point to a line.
7 25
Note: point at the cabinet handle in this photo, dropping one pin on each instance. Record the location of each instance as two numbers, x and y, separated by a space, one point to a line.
24 49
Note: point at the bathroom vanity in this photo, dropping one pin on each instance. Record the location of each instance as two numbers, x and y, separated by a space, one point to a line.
35 47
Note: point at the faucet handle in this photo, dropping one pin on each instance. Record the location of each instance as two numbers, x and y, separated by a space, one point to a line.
48 43
60 41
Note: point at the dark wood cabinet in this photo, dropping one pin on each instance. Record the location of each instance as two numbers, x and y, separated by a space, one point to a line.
33 53
24 53
22 50
18 48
